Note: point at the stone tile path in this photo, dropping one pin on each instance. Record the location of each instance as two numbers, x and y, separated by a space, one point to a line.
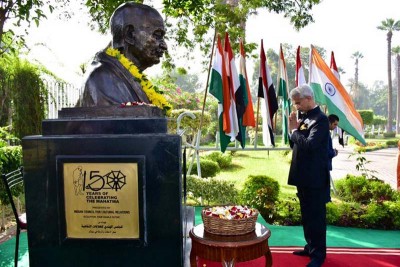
383 162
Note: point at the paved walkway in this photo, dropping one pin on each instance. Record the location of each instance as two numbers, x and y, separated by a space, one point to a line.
382 162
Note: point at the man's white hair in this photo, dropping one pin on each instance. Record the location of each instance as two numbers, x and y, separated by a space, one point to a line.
302 91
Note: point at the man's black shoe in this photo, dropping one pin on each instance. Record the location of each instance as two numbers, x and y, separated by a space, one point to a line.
301 253
315 262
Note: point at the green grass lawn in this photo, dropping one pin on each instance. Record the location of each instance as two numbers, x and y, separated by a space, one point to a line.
274 164
270 163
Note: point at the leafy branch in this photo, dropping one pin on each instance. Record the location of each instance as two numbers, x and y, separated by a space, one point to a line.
361 165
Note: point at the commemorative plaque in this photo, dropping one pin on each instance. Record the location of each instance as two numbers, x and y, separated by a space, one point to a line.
101 200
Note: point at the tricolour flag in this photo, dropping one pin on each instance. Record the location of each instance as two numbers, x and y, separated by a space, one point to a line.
330 92
283 92
269 106
335 71
237 106
300 78
219 87
248 116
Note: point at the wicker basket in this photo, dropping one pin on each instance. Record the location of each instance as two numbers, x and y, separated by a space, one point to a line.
219 226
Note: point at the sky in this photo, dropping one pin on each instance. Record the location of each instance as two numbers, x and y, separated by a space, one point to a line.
342 26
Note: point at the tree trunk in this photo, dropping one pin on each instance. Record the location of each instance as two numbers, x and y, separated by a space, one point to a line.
398 95
2 22
356 89
390 90
3 219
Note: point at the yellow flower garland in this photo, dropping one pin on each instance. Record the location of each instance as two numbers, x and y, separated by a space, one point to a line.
154 95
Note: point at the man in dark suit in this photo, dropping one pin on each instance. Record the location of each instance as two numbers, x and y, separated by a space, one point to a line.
309 170
332 152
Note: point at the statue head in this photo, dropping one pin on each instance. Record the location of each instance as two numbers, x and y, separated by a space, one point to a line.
138 32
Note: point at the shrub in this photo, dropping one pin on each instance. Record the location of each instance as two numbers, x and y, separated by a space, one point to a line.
379 120
382 215
372 204
223 160
363 190
332 213
389 134
261 192
211 191
208 168
6 137
287 212
380 191
396 195
392 143
353 188
10 160
187 123
367 116
350 213
375 215
27 84
394 212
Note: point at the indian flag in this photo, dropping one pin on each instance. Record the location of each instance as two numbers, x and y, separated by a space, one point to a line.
335 71
283 92
219 87
248 116
330 92
236 101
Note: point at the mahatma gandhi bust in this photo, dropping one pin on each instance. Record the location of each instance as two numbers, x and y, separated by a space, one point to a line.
137 35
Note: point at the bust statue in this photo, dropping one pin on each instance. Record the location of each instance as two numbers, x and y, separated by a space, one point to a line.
137 39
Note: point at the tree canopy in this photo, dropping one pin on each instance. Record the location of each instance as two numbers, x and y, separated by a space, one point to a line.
192 23
19 12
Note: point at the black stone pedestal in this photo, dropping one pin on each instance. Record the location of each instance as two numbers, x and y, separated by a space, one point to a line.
93 237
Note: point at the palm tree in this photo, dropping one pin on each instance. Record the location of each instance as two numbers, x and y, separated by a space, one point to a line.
396 51
389 25
356 92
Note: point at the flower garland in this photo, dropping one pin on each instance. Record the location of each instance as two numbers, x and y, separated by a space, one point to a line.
153 93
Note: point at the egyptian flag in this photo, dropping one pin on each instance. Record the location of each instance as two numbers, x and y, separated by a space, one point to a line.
269 106
300 78
333 67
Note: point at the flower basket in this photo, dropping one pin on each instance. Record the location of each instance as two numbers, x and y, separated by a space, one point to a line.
229 220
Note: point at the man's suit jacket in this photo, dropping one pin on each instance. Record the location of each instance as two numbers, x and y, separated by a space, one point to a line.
108 82
309 166
331 153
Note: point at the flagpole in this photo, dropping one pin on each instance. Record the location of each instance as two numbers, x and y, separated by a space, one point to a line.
258 111
202 110
310 66
275 116
208 80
